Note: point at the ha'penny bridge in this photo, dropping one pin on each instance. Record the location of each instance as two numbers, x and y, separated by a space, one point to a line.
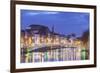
48 48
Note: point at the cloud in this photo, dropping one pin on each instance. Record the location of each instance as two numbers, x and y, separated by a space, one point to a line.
41 12
32 13
51 12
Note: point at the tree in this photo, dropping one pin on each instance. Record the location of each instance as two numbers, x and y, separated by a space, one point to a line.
85 36
85 39
68 37
73 35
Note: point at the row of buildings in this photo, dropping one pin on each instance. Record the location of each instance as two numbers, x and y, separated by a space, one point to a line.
39 44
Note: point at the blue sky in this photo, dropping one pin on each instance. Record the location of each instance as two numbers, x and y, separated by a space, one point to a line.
63 22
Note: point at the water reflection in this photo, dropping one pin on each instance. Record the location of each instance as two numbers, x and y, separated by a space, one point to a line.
57 54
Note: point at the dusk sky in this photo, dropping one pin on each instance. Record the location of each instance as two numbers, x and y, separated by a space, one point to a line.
63 22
